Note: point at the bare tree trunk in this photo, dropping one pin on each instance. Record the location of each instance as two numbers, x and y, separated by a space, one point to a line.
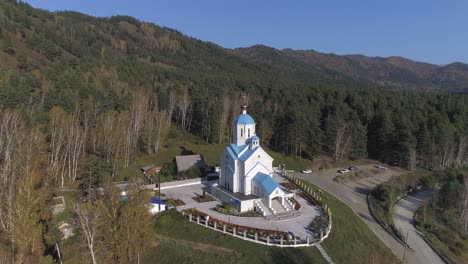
342 141
89 219
223 121
22 192
412 159
172 104
464 205
461 153
184 105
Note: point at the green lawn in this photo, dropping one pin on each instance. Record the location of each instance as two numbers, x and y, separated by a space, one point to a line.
351 240
179 141
183 242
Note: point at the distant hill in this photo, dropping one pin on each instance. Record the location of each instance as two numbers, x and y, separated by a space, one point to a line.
394 72
34 39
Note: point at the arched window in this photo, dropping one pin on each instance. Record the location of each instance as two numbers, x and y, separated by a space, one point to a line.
242 132
249 132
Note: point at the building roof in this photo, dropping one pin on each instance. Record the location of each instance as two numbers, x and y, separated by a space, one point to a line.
240 152
255 138
245 156
237 149
244 119
186 162
155 200
267 182
147 167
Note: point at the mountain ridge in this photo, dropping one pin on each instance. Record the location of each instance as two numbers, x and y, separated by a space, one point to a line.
394 71
34 38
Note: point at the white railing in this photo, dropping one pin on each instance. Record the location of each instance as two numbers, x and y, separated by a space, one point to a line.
257 205
256 238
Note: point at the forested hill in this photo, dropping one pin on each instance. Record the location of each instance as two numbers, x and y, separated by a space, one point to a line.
393 72
121 71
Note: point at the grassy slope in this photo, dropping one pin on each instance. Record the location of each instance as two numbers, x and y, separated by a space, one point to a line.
173 230
178 141
351 241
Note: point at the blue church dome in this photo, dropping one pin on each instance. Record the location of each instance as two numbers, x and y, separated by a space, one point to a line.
244 119
255 138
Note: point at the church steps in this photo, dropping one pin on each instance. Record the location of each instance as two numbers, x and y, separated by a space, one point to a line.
262 208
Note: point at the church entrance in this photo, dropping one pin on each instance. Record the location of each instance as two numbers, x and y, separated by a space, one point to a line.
277 205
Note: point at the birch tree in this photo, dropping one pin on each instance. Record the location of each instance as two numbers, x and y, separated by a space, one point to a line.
24 188
223 120
184 104
171 106
463 203
89 220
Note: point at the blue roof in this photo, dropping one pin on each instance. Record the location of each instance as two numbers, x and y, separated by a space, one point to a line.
237 149
155 200
268 184
255 138
244 119
247 154
231 153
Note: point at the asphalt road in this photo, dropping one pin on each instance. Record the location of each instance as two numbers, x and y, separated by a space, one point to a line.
403 213
354 195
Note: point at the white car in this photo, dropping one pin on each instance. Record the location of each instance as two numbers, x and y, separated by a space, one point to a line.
343 171
306 171
381 166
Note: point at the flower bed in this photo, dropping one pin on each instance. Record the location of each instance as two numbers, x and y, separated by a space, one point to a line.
175 202
289 185
226 208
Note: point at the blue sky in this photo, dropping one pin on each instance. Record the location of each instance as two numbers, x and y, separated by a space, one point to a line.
432 31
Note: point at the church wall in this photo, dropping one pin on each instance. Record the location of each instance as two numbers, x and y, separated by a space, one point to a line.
252 167
258 167
242 133
243 206
228 171
248 205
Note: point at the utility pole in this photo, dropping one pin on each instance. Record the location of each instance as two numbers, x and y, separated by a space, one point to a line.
406 246
159 190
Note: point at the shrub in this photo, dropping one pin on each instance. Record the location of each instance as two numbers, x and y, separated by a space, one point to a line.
297 206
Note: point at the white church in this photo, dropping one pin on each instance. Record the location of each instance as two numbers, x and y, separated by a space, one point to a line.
246 172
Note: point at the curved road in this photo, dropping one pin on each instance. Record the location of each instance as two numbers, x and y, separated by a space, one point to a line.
354 194
403 213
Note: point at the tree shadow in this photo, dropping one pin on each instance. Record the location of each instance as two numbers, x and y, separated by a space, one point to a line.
361 190
185 152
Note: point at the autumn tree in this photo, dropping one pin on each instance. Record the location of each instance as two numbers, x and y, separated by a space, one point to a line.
24 193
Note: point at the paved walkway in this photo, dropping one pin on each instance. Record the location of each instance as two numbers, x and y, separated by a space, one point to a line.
354 194
296 225
403 213
325 254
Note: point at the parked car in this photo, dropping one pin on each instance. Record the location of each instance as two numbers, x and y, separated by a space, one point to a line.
306 171
343 171
381 166
353 168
